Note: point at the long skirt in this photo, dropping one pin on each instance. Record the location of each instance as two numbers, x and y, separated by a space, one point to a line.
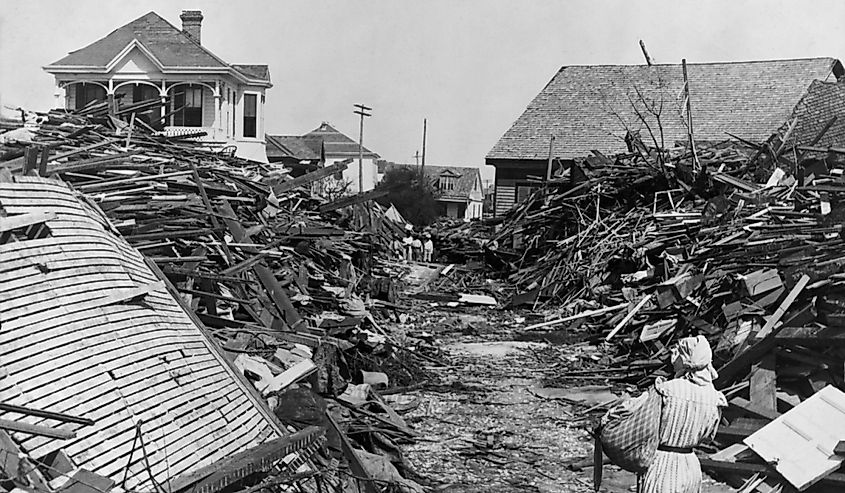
672 472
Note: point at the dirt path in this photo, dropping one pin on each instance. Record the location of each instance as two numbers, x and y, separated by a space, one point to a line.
489 430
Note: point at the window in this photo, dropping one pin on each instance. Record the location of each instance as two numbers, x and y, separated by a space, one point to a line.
143 92
250 111
85 93
234 102
446 183
187 102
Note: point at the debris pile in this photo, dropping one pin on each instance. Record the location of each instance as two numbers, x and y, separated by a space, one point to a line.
289 285
741 243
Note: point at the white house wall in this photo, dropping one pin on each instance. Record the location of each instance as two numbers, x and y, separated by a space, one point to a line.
350 175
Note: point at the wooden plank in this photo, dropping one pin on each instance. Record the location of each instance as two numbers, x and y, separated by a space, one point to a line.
781 310
801 441
764 384
21 221
45 431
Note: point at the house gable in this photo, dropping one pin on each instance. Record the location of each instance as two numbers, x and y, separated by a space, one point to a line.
137 64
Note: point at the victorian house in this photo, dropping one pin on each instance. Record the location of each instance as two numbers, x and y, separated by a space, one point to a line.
150 58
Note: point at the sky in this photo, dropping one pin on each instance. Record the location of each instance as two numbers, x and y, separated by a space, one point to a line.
470 67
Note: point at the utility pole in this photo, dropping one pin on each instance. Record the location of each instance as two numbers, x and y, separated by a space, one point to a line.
361 110
422 168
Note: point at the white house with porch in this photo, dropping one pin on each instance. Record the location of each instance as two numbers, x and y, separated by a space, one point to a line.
150 58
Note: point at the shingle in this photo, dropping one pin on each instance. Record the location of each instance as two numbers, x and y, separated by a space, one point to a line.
590 107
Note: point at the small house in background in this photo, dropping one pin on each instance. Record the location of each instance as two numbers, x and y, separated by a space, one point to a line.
149 58
460 194
591 108
325 145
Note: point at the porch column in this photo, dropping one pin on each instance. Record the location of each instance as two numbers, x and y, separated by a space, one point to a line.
110 97
163 111
61 96
217 103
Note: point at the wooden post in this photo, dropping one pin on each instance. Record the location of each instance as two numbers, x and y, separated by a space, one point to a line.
551 154
45 156
645 53
696 164
30 155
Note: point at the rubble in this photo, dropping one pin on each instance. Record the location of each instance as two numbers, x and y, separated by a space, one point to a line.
634 251
288 286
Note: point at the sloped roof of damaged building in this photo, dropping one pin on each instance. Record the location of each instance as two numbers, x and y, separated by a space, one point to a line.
335 142
823 102
171 49
290 146
592 107
324 139
97 334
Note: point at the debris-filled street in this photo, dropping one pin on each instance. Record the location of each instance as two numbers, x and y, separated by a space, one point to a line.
640 288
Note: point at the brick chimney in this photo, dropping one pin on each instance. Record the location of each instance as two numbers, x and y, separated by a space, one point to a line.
192 23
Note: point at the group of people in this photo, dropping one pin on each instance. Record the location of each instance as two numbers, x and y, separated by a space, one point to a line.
415 247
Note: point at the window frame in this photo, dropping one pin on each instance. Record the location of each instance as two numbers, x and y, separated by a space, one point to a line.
250 122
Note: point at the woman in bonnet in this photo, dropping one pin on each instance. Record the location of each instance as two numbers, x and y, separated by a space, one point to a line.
690 416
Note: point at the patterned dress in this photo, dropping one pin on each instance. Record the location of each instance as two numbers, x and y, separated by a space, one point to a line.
691 414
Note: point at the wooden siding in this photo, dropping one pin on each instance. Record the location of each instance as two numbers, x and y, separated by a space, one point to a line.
88 329
505 198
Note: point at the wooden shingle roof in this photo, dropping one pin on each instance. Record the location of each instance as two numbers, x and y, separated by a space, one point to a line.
170 47
823 101
591 107
336 143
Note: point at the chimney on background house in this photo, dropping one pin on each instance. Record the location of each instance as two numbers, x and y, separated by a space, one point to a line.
192 23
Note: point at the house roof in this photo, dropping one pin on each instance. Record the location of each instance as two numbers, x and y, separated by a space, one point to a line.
289 146
822 102
260 72
590 107
335 143
170 47
465 177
